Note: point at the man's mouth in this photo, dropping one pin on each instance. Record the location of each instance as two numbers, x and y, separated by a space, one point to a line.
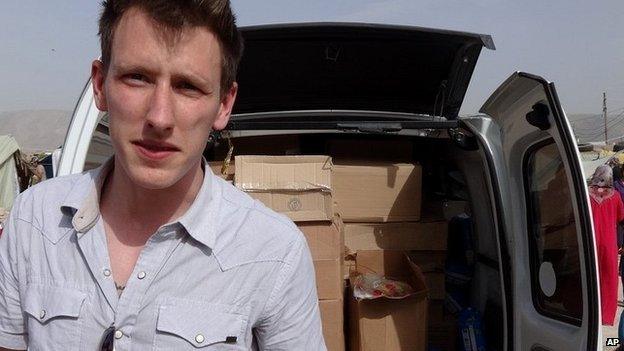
155 150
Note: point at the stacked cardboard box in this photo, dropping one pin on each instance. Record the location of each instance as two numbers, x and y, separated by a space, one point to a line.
389 324
300 187
442 331
326 242
426 241
443 327
380 204
332 316
297 186
377 192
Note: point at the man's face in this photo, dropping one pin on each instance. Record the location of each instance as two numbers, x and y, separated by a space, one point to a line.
163 98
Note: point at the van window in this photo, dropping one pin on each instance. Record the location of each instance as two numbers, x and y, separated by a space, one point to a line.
100 147
552 234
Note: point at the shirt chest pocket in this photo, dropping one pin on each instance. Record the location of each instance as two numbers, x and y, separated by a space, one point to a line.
53 317
188 325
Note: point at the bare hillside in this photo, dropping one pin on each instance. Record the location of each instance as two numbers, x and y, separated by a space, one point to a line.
590 127
36 130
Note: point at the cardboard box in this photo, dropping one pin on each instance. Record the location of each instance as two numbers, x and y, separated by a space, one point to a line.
329 279
436 312
326 242
332 317
348 267
443 336
429 261
298 206
325 239
442 327
389 324
554 204
396 236
297 186
435 284
377 192
393 150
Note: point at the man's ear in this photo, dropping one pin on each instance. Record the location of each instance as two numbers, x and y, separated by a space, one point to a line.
98 76
225 109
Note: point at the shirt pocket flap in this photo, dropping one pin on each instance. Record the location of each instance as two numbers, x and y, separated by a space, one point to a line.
46 302
200 323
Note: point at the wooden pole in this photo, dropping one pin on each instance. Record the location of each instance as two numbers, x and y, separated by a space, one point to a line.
604 115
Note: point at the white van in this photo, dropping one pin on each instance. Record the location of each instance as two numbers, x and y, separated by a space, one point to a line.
535 280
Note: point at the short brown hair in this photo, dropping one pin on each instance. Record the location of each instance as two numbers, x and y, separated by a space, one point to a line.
176 15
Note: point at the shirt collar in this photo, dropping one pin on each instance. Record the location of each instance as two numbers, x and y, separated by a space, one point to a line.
84 197
84 200
200 219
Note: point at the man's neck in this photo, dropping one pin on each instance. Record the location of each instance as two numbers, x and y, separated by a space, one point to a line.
148 208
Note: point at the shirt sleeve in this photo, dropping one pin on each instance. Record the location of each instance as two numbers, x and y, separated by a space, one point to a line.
291 318
12 333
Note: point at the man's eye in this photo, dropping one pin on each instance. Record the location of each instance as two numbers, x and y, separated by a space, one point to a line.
187 86
136 76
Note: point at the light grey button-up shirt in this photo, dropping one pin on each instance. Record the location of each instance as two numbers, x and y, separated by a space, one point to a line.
230 274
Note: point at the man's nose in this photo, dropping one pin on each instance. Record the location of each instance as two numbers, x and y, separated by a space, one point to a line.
160 116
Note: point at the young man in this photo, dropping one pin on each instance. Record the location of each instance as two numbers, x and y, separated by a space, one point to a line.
151 250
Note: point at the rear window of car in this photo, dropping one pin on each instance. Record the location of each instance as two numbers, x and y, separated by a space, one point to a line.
552 235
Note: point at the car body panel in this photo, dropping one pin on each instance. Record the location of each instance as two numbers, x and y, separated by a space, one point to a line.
512 107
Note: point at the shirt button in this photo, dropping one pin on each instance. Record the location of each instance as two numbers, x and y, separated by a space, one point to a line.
107 272
42 314
141 275
199 338
118 334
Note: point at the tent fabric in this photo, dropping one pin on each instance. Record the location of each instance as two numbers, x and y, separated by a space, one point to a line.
8 146
8 171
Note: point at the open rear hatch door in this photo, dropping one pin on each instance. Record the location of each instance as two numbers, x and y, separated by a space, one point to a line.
330 69
336 76
556 305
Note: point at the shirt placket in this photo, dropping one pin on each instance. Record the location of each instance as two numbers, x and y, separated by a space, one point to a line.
95 251
153 257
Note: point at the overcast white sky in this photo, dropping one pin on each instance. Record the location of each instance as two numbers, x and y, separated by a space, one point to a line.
46 46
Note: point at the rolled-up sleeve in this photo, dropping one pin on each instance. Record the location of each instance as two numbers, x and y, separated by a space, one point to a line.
291 319
12 334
